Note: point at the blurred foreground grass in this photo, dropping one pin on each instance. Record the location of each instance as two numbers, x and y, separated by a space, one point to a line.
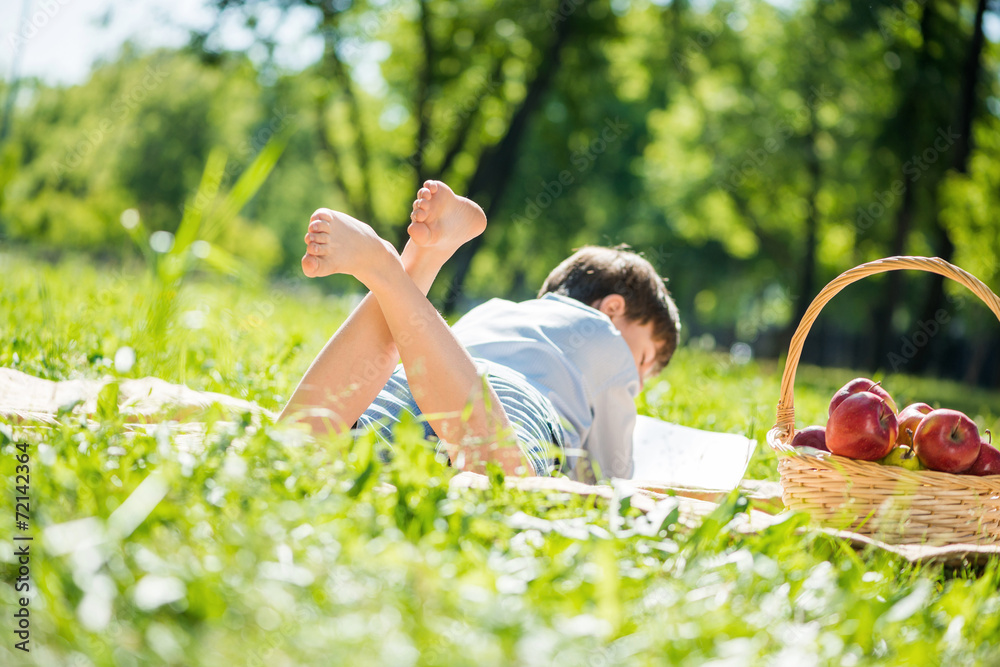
270 550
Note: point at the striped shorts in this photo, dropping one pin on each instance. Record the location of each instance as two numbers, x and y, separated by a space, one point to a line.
536 423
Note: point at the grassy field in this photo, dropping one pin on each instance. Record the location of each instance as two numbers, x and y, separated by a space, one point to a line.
269 550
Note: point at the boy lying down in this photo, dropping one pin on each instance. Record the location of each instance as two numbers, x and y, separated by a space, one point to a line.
512 383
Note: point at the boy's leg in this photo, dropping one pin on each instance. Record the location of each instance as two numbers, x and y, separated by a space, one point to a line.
355 364
459 405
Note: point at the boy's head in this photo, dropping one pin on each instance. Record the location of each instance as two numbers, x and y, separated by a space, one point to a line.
644 313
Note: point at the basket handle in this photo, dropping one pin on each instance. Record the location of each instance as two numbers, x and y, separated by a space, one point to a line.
785 423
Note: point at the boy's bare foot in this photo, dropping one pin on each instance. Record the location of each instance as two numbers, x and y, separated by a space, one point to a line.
337 243
443 220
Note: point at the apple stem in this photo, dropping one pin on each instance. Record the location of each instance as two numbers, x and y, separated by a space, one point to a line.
990 441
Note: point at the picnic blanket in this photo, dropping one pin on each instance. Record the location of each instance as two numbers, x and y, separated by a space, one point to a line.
29 398
25 399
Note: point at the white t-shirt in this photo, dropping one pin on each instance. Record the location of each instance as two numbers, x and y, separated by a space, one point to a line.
575 356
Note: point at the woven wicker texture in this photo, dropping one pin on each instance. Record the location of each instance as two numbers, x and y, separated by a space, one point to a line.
895 505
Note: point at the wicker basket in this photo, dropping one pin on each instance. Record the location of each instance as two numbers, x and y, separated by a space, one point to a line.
894 504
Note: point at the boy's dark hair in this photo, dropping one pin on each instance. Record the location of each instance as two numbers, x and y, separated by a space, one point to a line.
594 272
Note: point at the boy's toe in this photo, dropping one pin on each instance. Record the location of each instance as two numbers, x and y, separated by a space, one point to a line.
418 231
424 193
310 265
432 186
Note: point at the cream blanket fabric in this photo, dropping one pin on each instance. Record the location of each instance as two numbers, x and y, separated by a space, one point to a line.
25 397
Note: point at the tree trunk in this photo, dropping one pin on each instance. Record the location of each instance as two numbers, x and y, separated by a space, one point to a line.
15 80
944 246
496 166
807 273
424 81
882 312
360 198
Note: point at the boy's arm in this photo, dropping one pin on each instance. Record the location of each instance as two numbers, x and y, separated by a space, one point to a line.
609 441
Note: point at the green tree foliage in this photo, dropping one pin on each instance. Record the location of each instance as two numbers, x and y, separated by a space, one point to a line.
752 150
137 135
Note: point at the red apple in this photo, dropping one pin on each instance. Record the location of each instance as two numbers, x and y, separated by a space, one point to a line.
988 461
811 436
862 427
861 384
947 440
909 419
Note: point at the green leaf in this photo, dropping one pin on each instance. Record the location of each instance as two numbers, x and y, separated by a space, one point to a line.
364 480
495 474
248 183
194 212
107 402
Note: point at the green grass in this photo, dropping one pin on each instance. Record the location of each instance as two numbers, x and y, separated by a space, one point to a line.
266 550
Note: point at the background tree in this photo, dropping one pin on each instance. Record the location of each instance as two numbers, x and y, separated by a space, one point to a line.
751 150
